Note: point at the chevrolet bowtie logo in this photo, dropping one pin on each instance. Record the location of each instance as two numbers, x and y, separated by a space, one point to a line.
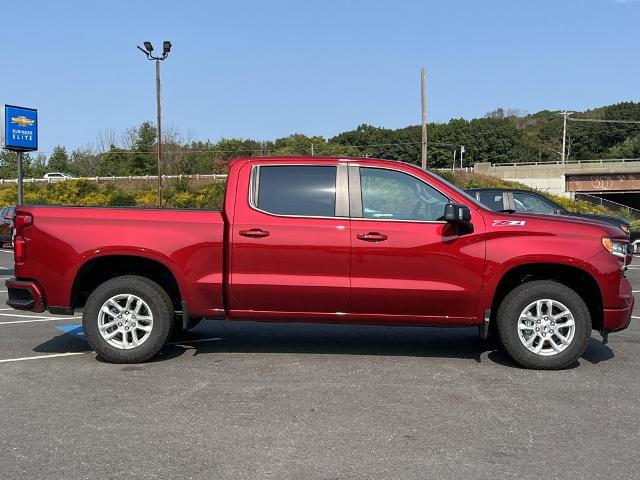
22 121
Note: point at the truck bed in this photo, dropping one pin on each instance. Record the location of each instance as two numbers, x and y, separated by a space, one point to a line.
63 241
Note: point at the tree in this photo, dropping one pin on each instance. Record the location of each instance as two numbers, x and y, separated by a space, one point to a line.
38 167
59 160
83 163
113 163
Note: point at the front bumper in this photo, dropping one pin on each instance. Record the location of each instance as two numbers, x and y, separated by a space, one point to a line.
25 295
615 319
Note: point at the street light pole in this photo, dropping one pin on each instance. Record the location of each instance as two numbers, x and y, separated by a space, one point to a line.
166 48
158 120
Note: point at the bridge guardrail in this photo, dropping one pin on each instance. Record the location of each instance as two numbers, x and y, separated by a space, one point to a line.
216 176
568 162
610 204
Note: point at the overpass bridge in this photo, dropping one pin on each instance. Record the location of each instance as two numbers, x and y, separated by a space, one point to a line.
616 180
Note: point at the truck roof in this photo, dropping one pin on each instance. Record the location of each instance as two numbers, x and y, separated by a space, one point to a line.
297 158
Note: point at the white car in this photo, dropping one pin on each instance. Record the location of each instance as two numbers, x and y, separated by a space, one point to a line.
53 176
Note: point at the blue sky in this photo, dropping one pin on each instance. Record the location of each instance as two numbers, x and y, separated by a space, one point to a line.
266 69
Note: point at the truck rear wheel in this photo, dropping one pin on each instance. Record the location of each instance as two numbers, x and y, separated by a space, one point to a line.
128 319
544 325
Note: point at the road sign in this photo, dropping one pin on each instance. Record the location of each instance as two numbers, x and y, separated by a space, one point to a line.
19 129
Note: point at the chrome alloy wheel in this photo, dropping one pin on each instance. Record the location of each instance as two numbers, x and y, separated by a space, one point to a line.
546 327
125 321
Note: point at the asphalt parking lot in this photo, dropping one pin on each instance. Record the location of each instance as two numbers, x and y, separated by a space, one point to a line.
253 400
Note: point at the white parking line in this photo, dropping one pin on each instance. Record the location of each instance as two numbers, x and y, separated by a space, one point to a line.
31 316
39 357
4 250
635 317
36 319
68 354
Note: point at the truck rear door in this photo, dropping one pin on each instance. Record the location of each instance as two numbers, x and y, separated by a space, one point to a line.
290 247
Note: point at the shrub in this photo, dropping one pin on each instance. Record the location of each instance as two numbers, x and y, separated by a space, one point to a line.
182 200
121 199
146 198
181 185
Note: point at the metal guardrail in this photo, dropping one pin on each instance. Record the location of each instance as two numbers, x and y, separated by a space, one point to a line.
216 176
451 170
610 204
568 162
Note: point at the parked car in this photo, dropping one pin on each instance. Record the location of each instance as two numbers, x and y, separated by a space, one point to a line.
514 200
6 225
322 239
53 176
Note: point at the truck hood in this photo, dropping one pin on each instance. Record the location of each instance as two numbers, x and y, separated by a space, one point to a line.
558 223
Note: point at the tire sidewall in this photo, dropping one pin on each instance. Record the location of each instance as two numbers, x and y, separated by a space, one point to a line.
156 299
516 301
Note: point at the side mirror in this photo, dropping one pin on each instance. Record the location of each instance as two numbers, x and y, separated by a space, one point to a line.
454 212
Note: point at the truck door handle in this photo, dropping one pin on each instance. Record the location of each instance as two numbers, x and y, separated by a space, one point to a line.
254 233
372 237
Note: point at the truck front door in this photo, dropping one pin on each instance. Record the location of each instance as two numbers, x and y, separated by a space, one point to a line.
407 264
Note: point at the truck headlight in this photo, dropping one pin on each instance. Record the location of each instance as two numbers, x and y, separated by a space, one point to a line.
619 249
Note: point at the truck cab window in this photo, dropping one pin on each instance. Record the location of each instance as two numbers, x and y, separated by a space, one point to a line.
393 195
302 190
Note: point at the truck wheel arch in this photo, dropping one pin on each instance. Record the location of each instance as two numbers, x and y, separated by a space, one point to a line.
98 270
579 280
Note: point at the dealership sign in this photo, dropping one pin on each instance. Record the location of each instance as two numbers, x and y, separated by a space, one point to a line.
19 128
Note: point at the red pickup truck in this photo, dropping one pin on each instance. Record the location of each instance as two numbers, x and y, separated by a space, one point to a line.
309 239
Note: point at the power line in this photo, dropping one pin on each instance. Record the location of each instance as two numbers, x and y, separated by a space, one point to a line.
186 150
597 120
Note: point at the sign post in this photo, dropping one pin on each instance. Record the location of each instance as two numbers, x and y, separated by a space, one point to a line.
19 133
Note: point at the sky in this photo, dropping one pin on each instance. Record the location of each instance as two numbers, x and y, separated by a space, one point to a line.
267 69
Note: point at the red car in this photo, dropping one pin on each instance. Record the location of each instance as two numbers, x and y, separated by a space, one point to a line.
308 239
6 225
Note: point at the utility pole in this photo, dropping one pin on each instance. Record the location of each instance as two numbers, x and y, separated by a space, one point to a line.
166 48
461 152
312 149
564 114
453 164
423 91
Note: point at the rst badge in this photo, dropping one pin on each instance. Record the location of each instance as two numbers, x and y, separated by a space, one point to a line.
508 223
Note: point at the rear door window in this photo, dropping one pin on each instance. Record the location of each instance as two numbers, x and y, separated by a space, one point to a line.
301 190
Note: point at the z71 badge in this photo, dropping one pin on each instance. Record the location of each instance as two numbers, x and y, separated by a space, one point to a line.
508 223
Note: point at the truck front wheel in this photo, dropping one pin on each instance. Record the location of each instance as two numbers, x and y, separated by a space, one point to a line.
128 319
544 324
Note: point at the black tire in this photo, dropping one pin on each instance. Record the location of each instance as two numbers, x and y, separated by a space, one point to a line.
518 299
150 292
